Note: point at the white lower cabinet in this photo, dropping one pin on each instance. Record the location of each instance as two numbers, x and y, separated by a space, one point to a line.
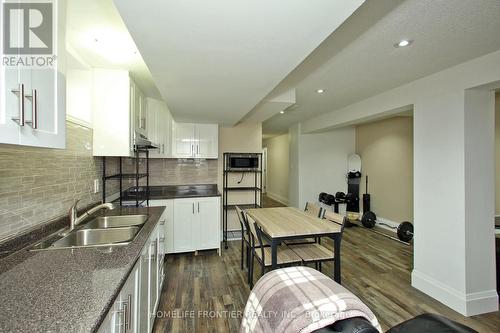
196 224
135 307
168 217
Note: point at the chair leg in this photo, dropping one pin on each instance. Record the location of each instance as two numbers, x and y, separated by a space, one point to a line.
248 256
242 245
250 271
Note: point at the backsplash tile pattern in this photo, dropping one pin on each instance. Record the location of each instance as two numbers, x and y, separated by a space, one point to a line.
178 171
40 184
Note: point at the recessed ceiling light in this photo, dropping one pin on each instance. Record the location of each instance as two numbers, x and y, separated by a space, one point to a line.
320 91
403 43
282 111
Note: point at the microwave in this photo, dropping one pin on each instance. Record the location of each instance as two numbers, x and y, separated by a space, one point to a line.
242 162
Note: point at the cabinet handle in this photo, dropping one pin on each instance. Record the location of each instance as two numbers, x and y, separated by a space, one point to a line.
20 91
162 222
192 149
163 148
34 109
197 149
193 207
129 308
198 207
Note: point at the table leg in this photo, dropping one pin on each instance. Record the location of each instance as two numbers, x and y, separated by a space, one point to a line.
274 254
336 264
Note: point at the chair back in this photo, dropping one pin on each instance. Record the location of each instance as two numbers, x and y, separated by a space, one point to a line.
313 209
241 217
337 219
256 233
244 219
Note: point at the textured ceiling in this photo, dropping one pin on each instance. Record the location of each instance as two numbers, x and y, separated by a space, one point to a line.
358 60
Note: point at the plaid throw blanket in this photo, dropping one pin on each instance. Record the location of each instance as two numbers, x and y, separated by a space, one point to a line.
300 299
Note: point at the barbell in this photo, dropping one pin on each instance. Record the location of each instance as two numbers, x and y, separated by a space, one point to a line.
404 229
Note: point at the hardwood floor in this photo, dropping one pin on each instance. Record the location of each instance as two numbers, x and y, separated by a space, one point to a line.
207 293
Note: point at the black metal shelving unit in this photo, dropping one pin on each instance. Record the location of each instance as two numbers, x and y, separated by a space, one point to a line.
120 176
256 189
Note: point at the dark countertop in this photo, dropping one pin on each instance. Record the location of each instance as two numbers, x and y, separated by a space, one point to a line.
173 192
67 290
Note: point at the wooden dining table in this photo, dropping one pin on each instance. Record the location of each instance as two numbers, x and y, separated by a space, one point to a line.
289 223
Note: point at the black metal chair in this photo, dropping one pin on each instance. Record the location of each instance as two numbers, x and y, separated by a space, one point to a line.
314 210
315 252
262 252
245 239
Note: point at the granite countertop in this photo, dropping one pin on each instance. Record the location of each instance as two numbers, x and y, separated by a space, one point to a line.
173 192
67 290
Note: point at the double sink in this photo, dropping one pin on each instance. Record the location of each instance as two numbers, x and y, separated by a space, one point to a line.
100 231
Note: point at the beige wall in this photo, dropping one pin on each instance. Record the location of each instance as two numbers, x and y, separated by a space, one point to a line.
242 138
386 150
277 167
497 153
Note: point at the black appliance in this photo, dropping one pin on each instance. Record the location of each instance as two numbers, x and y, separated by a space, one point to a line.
242 162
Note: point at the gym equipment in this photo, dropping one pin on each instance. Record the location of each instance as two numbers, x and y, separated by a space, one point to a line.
405 231
369 219
353 180
366 197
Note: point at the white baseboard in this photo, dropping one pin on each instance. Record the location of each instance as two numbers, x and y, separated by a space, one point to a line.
466 304
387 221
278 198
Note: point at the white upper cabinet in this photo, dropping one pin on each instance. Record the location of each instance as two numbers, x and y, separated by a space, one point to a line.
113 112
159 125
140 111
195 140
33 99
206 140
182 140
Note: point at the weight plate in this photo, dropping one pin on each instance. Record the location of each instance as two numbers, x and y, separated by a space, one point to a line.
340 195
405 231
369 219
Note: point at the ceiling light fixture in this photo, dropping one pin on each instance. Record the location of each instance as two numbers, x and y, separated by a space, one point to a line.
403 43
282 111
320 91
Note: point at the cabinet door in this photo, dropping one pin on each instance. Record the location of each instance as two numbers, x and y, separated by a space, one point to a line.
167 134
144 291
208 221
161 251
10 106
184 215
46 110
168 216
128 300
207 140
183 140
153 278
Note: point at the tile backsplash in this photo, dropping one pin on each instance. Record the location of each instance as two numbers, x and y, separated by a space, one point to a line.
39 184
177 171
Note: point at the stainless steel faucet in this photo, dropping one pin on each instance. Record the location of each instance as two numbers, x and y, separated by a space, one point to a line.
75 220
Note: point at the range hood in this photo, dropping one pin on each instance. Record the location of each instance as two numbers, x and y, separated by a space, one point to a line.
141 141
